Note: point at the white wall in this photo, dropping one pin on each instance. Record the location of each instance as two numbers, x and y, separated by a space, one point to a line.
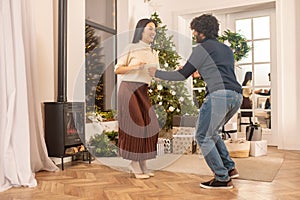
297 7
286 112
76 51
285 88
46 28
45 47
169 10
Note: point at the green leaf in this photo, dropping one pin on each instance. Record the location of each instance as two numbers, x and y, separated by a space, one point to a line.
238 44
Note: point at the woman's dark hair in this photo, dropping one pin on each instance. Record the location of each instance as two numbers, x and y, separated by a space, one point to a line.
248 76
206 24
140 26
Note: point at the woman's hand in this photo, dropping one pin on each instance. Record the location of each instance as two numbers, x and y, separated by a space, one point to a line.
126 69
137 66
151 71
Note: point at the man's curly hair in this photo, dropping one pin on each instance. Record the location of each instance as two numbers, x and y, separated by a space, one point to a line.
206 24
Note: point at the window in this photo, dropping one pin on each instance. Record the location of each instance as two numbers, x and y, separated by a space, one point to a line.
258 24
101 12
100 55
254 71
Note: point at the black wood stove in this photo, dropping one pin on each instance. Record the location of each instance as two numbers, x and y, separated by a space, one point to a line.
64 121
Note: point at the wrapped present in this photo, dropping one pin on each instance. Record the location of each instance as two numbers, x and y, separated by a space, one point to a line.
183 141
253 132
239 148
246 121
183 131
193 148
164 145
258 148
160 146
167 145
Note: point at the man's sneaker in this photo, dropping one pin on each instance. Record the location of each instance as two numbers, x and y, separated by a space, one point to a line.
233 173
215 184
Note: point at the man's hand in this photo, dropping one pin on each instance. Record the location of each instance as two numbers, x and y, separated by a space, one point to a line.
196 75
151 71
179 67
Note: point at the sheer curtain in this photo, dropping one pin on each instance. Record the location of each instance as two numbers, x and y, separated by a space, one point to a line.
22 147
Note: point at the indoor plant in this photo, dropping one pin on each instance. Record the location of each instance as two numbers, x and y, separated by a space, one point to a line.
236 42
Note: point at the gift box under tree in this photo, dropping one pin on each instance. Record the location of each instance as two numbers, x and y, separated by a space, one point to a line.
184 142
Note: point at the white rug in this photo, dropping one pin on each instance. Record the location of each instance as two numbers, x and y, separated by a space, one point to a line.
262 168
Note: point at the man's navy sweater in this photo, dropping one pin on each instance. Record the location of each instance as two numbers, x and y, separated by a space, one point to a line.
214 61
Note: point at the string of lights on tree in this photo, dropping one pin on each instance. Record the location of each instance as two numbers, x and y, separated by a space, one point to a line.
170 98
94 97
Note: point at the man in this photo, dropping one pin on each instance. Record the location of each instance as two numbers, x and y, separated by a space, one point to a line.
215 62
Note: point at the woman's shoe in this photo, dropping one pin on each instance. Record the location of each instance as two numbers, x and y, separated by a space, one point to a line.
149 173
145 169
141 176
137 175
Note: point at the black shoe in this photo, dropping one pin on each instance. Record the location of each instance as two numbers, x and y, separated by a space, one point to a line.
215 184
233 173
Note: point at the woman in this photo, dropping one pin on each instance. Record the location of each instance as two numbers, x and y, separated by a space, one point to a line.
138 125
247 103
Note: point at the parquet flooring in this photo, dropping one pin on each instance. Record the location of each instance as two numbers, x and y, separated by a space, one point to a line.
85 181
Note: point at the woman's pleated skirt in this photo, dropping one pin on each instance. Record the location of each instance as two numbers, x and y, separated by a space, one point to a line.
138 124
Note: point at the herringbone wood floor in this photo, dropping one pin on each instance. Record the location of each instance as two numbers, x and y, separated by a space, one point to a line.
84 181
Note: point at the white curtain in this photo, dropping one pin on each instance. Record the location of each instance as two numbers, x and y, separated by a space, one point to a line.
22 147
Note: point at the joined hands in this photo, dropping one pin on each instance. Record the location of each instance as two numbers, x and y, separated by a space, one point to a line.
151 71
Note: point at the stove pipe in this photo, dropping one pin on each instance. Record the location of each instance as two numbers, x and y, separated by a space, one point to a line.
62 52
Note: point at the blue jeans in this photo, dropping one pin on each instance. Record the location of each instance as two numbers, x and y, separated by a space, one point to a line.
217 109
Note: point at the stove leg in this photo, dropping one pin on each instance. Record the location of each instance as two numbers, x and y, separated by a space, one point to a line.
62 163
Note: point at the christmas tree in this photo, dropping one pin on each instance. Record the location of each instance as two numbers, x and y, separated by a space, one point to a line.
169 97
199 91
94 72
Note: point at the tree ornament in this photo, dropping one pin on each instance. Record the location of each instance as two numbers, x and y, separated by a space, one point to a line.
169 92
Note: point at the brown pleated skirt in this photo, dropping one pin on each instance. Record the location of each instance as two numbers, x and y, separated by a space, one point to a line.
138 124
